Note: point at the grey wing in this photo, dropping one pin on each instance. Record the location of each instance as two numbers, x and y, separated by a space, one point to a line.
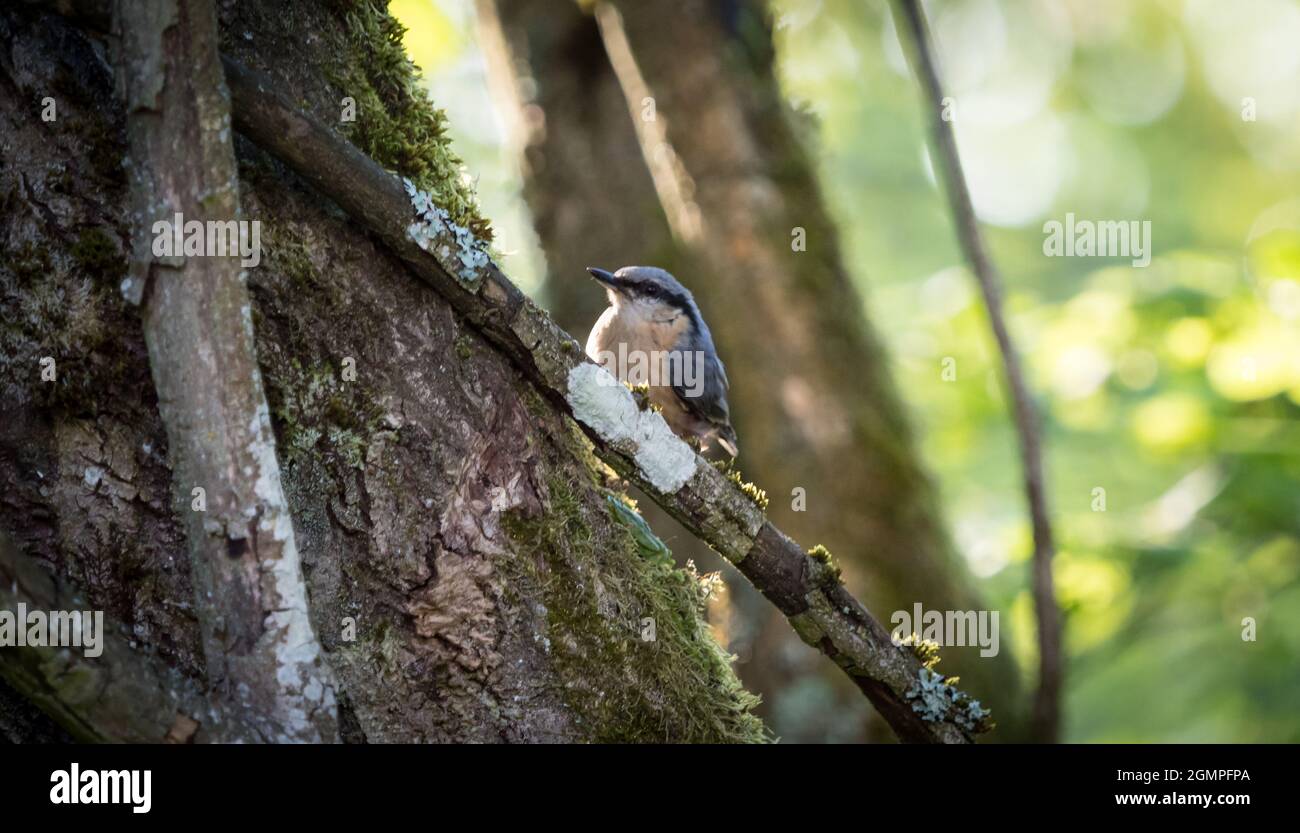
706 398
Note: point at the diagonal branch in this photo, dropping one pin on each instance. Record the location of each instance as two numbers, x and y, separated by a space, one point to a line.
1047 709
251 600
637 444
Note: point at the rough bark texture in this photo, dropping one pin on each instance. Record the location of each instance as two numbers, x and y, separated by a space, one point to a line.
632 439
811 393
121 695
258 643
466 577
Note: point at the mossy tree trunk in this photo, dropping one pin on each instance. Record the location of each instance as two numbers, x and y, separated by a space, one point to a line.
705 175
467 578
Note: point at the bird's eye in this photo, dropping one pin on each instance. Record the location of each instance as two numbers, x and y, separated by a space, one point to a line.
651 291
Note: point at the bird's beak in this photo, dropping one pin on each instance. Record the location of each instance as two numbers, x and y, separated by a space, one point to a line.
607 278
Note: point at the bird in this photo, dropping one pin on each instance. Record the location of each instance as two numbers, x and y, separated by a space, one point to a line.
652 333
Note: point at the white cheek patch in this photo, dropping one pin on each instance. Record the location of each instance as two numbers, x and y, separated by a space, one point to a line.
602 404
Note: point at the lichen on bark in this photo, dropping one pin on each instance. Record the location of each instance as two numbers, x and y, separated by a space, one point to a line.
412 487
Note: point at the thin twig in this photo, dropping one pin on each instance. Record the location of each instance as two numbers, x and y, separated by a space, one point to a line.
1046 709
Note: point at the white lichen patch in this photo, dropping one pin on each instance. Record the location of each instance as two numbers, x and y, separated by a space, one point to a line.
454 246
935 701
305 685
608 408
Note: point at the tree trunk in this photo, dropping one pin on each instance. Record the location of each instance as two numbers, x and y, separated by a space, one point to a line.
467 578
706 137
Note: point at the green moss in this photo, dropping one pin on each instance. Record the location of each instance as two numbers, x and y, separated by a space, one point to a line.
599 592
925 650
755 494
312 404
396 124
291 257
641 395
289 252
29 263
830 570
79 684
55 303
315 409
97 257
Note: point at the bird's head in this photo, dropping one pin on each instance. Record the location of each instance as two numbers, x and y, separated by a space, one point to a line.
646 292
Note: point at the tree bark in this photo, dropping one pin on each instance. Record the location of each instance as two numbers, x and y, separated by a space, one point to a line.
465 574
118 696
258 642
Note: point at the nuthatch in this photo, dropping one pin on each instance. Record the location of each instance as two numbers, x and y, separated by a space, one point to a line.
653 334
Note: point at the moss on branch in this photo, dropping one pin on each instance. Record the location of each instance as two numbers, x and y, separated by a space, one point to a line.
396 123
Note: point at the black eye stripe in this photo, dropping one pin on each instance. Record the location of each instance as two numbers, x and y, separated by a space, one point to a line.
660 293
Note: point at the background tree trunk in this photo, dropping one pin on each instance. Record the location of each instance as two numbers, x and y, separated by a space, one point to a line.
444 516
706 137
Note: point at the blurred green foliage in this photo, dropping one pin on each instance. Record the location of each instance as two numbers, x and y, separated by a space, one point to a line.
1169 393
1173 388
